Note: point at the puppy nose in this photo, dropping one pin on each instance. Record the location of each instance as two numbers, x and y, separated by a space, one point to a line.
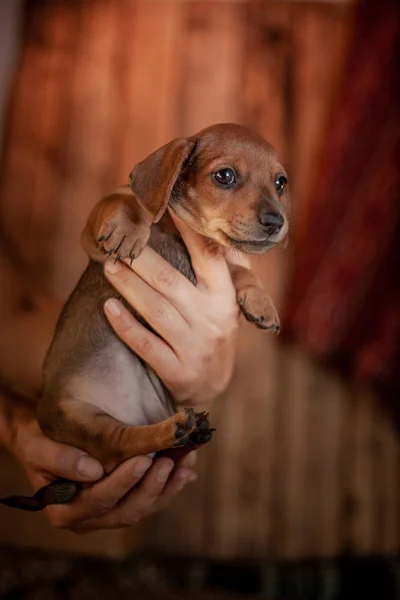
271 222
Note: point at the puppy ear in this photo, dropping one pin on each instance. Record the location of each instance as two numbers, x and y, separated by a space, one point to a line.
153 179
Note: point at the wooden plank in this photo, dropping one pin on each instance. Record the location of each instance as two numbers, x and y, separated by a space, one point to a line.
289 542
88 164
10 47
212 69
267 72
18 164
362 486
387 481
327 411
152 78
319 37
56 62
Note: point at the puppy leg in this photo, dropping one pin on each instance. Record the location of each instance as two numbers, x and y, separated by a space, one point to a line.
108 440
87 427
117 226
254 303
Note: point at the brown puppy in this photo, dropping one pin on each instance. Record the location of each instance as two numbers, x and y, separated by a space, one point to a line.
228 185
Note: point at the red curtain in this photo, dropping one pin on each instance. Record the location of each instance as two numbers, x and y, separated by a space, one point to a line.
344 302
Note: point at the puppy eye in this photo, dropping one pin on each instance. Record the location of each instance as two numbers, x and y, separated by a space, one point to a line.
280 183
225 177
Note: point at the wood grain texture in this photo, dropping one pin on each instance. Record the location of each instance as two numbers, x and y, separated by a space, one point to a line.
301 465
319 43
37 125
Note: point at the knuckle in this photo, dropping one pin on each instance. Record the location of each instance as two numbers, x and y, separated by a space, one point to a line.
101 506
151 497
143 346
124 329
166 276
127 519
215 335
125 324
159 312
213 250
231 325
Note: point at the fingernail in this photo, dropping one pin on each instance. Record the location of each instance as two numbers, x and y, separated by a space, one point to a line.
184 476
163 473
183 473
142 466
181 484
113 307
89 468
112 266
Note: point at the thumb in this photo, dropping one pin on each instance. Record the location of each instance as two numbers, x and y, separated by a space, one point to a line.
69 462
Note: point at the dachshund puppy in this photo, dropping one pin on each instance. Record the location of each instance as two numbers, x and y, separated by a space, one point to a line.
228 185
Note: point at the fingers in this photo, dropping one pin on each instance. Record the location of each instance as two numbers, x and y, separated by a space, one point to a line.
116 502
143 342
189 460
139 502
60 460
163 277
155 309
73 464
207 259
101 497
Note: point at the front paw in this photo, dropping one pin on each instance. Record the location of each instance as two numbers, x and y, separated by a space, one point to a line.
258 308
120 238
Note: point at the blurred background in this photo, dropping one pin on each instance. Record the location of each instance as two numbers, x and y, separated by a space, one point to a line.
298 496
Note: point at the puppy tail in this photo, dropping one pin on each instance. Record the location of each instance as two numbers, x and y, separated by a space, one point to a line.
60 491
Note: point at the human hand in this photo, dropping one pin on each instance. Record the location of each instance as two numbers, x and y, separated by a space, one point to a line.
111 503
194 357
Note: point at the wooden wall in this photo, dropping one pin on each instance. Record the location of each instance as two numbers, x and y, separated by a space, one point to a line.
301 465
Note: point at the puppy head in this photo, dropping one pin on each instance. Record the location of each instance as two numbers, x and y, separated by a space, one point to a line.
226 183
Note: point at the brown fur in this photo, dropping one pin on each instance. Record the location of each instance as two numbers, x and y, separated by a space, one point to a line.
97 394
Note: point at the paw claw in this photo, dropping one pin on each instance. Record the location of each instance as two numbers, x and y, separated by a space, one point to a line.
182 442
258 308
118 234
191 418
